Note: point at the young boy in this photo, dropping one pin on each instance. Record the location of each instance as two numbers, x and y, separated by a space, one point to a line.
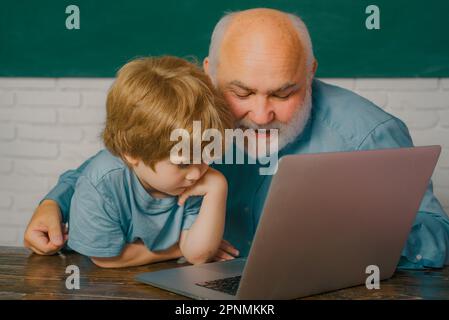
125 210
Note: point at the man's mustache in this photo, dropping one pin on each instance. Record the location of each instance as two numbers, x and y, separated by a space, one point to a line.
248 124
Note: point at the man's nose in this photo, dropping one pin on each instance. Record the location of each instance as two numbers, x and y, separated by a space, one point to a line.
261 113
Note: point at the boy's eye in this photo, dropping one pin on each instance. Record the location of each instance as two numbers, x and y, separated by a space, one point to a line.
183 165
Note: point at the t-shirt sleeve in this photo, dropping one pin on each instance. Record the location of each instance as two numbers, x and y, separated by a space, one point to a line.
94 225
63 191
192 208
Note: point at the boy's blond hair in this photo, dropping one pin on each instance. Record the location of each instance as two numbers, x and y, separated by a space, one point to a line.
153 96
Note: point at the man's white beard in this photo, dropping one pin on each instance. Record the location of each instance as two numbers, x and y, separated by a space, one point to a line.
287 132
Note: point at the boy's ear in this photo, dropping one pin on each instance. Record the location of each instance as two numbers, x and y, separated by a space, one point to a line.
131 160
206 65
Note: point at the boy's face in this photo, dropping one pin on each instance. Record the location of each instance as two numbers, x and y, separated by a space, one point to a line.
167 178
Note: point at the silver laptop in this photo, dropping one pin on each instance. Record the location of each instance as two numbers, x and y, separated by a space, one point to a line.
327 217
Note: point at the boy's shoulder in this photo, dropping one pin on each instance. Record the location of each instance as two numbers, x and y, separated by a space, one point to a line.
103 166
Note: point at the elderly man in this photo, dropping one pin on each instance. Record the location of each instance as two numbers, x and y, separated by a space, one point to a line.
263 63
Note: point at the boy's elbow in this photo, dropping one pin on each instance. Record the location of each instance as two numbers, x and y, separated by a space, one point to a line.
194 254
106 263
199 258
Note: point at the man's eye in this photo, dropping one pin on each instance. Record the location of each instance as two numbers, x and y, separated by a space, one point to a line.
183 165
242 95
282 96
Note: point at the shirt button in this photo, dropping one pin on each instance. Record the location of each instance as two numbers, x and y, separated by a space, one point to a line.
418 257
246 209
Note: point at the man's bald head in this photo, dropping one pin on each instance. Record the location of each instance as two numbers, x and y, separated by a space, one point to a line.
259 32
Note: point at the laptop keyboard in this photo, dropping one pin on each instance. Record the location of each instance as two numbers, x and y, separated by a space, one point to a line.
226 285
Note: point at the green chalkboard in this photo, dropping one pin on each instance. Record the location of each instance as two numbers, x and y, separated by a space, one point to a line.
413 39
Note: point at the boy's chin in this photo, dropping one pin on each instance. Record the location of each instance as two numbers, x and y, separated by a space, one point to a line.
178 191
165 194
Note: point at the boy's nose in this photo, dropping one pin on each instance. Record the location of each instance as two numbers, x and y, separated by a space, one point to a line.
194 174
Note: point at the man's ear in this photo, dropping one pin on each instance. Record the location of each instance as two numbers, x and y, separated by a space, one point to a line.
206 65
315 66
131 160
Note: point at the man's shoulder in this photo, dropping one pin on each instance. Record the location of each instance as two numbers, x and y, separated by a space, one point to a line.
103 167
346 113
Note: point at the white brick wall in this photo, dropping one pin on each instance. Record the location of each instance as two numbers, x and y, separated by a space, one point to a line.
47 126
51 125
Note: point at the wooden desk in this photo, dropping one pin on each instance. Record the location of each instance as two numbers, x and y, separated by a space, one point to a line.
28 276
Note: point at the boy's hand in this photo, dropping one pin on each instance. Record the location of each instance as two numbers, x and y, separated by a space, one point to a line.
225 252
45 234
204 237
211 181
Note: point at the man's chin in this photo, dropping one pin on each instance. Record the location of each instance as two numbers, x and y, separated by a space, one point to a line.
263 134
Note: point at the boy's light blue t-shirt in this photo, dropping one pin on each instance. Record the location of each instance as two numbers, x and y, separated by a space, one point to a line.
111 208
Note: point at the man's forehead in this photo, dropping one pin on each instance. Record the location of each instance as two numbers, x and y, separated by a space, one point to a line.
261 52
289 85
261 75
272 64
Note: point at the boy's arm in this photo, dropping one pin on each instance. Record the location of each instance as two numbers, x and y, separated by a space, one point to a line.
200 243
137 254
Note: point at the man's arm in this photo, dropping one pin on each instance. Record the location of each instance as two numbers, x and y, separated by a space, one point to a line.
45 233
428 241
